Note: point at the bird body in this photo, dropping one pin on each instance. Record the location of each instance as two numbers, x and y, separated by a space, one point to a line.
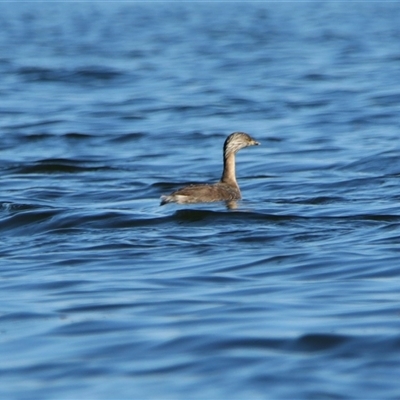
227 189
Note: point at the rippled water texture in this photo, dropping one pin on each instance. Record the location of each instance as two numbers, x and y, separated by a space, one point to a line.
105 106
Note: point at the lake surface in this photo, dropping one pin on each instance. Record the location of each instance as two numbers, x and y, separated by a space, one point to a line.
105 106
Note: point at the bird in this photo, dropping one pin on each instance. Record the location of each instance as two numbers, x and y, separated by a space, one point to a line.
227 189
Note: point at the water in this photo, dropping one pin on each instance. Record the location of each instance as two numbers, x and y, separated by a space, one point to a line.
107 295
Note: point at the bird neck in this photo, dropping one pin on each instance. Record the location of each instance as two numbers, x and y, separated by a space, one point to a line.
229 174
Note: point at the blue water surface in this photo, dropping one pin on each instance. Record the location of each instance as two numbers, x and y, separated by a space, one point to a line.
105 106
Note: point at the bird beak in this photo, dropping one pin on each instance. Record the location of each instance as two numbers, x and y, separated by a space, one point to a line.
255 143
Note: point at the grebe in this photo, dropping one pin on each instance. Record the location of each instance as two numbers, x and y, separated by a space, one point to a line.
227 189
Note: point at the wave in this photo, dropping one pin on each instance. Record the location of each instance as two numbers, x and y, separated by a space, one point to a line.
56 165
